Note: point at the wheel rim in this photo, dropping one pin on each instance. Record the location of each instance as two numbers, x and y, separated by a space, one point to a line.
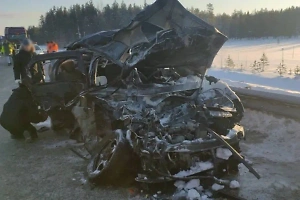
103 158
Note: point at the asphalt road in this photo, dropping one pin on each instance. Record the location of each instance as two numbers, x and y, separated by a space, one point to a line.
48 170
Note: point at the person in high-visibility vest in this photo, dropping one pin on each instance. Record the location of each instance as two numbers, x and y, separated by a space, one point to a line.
7 50
55 47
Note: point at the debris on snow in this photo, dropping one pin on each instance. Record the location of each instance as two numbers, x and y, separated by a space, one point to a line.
217 187
179 184
179 195
199 188
199 167
208 193
193 195
223 153
192 184
234 184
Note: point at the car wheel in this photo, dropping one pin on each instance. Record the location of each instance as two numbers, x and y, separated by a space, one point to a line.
111 161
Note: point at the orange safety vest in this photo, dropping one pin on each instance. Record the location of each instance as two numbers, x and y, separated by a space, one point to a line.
55 47
52 47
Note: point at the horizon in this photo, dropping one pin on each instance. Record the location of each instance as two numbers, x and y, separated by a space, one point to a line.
12 14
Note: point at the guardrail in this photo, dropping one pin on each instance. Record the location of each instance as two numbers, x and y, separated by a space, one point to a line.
278 104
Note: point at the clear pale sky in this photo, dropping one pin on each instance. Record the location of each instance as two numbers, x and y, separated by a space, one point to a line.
27 12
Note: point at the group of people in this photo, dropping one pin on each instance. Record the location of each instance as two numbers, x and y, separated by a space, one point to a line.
21 110
8 49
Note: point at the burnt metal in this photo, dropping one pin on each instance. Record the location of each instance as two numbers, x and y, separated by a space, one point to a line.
165 115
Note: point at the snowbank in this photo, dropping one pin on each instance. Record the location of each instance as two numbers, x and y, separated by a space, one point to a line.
277 85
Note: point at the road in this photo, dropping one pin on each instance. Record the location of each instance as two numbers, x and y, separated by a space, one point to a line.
48 170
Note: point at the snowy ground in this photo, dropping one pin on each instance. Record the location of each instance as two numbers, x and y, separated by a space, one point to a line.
272 146
278 85
245 52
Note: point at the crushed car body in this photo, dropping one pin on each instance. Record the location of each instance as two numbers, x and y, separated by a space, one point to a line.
144 99
165 34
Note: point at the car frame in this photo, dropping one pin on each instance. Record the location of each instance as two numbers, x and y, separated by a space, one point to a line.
148 79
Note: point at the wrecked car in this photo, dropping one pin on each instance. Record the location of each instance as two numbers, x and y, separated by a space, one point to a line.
144 100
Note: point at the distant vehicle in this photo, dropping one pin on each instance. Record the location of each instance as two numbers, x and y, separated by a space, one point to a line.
15 34
38 50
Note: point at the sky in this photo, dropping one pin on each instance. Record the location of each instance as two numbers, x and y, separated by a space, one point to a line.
27 12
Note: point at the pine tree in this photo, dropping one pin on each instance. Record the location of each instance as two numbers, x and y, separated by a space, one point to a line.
210 12
297 71
256 67
229 63
281 69
264 62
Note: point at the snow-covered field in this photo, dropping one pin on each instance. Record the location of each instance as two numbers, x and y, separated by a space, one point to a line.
245 52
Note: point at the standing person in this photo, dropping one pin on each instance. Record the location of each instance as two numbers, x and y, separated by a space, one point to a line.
27 51
7 51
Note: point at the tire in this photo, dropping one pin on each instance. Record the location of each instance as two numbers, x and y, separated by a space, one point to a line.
112 161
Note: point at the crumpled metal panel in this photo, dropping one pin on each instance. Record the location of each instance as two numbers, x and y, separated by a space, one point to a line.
165 34
100 38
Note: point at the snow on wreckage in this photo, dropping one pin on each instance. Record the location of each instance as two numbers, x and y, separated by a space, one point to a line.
143 98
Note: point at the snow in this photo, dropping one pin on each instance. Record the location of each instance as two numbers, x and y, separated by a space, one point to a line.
192 184
273 146
223 153
179 184
278 85
217 187
234 184
46 123
278 137
193 195
246 51
199 167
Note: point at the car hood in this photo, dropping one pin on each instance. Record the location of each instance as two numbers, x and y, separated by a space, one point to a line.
101 38
164 35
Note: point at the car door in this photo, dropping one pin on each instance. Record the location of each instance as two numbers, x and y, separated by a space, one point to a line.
52 91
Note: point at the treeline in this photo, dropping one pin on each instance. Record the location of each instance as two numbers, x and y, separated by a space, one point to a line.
67 24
